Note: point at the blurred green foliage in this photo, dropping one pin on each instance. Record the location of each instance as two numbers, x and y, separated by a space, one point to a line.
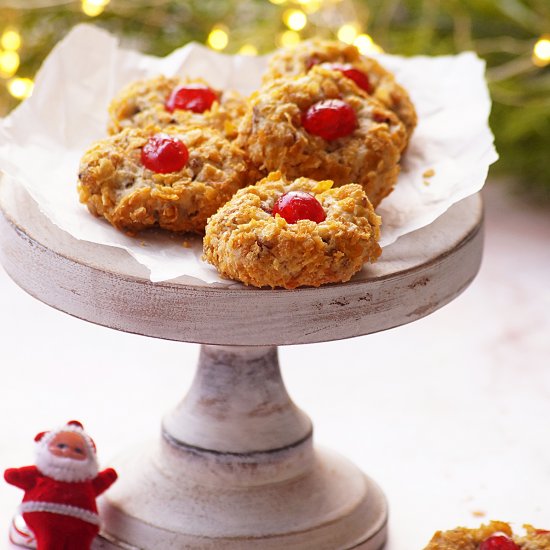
503 32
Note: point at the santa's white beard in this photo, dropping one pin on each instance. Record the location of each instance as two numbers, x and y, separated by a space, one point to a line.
65 469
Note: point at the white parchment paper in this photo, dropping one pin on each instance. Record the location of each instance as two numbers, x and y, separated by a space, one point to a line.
42 141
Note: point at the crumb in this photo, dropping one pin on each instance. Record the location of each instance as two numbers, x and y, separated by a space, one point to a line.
426 183
429 173
186 244
478 513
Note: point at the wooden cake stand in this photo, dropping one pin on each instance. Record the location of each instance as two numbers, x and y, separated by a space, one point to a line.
235 467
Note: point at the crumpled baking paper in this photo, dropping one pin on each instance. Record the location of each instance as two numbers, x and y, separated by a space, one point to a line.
42 141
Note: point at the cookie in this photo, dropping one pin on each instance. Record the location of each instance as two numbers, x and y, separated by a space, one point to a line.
534 539
276 135
368 73
497 535
163 101
250 240
194 172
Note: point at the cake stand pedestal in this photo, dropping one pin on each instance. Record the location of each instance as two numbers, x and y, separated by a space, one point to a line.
235 466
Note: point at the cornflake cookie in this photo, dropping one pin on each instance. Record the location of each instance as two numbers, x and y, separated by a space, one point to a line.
368 74
535 539
331 233
319 126
174 178
497 535
163 101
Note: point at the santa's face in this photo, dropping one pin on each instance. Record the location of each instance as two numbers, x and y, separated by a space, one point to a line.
66 456
68 445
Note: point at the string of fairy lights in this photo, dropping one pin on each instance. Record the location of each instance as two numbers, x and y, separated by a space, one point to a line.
541 51
295 20
10 42
296 17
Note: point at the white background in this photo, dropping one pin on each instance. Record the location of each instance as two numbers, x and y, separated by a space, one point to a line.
451 414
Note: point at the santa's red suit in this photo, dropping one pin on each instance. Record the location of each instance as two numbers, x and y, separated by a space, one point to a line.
59 505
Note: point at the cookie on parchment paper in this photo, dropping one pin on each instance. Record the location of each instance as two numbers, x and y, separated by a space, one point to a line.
250 240
204 171
162 101
366 71
278 134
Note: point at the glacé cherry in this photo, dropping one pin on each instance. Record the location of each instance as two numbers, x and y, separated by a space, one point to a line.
359 77
498 542
163 154
299 205
330 119
192 97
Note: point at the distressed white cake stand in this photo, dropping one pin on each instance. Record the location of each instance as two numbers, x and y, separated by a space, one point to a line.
235 467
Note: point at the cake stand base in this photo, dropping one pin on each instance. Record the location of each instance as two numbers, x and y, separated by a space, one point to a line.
236 469
235 466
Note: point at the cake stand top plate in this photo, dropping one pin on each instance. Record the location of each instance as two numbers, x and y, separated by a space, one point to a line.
418 274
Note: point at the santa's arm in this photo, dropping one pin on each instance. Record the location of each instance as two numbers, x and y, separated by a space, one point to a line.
24 478
104 480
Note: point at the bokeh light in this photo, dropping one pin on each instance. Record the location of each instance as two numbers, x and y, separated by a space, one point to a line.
218 38
289 39
347 33
295 20
310 6
541 52
366 45
93 8
9 63
248 49
11 40
20 88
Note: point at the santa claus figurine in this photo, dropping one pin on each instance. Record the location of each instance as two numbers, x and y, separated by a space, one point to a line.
59 506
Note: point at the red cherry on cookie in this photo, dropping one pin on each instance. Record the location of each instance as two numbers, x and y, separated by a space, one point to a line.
163 154
359 77
498 542
330 119
298 205
193 97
